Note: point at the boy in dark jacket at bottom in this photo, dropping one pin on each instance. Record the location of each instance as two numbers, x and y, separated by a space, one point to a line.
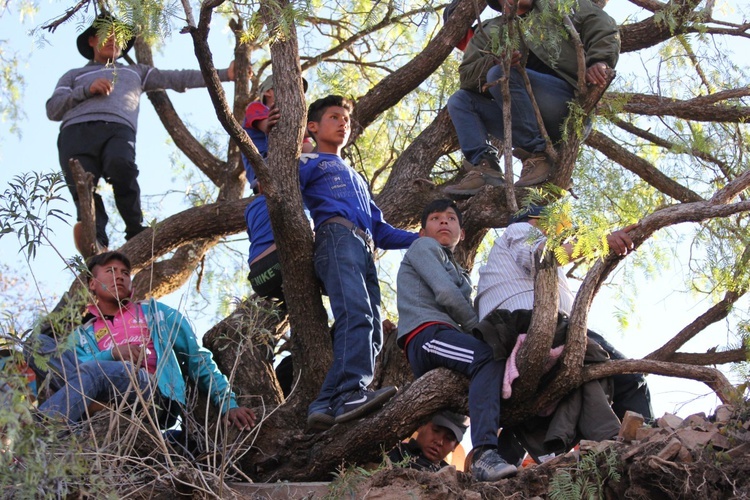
435 440
435 316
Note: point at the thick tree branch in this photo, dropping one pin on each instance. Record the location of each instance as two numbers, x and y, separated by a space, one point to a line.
640 167
165 276
391 89
84 182
534 353
656 29
182 137
702 108
716 313
314 456
712 377
710 358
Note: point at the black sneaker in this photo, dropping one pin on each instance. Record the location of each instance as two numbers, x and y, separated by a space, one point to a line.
320 421
363 402
490 466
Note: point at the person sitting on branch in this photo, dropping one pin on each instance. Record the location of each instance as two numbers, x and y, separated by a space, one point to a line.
551 63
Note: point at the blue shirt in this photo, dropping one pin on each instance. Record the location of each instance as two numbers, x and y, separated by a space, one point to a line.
258 227
332 188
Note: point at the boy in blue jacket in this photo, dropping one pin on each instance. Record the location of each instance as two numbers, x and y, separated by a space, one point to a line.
348 227
123 344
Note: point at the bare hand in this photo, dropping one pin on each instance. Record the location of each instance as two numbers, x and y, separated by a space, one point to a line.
596 74
273 117
620 242
389 327
128 352
101 86
515 59
242 418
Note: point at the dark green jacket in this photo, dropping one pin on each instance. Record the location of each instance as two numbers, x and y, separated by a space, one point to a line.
598 32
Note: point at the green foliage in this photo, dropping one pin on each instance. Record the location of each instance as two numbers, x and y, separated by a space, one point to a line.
587 479
27 204
11 88
346 480
35 460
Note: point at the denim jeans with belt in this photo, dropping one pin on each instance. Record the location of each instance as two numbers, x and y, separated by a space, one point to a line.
345 266
476 116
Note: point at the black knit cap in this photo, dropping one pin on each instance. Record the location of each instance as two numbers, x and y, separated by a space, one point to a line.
82 42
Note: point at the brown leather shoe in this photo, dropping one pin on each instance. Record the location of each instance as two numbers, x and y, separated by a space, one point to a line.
537 168
474 181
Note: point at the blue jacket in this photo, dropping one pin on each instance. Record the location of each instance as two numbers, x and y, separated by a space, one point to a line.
258 227
332 188
178 356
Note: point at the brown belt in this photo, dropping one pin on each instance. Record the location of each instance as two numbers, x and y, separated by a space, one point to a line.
354 228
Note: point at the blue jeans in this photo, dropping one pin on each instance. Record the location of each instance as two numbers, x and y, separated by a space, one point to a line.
476 116
443 346
345 266
76 385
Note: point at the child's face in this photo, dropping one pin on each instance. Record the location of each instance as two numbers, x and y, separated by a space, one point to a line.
444 227
104 51
332 132
269 98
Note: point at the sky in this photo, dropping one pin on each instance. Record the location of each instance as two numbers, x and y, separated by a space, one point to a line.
663 305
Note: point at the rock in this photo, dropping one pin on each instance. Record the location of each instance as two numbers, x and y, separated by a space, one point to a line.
669 421
631 422
684 455
671 450
694 438
724 413
644 433
697 420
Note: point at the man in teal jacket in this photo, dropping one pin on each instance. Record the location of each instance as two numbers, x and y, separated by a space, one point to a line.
123 344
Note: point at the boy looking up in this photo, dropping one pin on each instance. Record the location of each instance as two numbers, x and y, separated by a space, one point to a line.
435 318
98 107
348 226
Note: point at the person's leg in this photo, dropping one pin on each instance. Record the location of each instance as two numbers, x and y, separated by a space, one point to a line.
553 95
526 133
342 263
51 363
631 389
443 346
101 381
475 117
120 170
84 142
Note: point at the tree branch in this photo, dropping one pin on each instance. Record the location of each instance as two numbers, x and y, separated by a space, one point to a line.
641 168
716 313
712 377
